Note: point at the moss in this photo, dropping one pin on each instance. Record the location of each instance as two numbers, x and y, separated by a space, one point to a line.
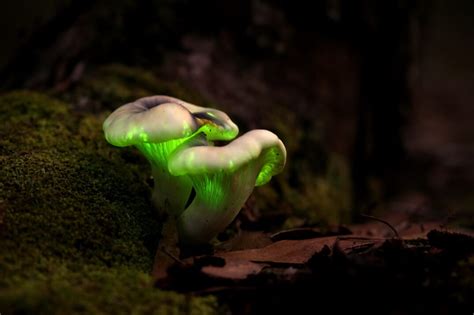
465 274
113 85
77 230
93 290
324 198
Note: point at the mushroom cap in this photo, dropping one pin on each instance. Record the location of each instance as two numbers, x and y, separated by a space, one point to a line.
214 123
161 118
256 145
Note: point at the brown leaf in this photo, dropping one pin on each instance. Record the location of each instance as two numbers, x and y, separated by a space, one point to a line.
309 232
406 227
242 263
282 252
234 269
245 240
354 244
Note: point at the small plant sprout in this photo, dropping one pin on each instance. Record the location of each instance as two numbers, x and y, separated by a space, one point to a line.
201 185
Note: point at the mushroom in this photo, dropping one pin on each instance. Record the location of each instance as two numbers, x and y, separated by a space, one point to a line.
223 178
157 126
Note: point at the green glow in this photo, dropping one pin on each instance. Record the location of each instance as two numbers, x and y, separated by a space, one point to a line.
271 158
143 136
219 198
222 177
158 153
214 132
136 130
212 188
170 192
231 166
187 129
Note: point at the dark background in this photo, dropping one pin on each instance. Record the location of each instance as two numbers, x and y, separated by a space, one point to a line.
388 85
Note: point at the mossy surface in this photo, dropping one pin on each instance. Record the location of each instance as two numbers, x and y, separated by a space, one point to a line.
111 86
77 229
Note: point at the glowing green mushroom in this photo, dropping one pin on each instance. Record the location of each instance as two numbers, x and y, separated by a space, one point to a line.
223 179
157 125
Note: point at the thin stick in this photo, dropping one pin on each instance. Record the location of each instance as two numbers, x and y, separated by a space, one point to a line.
176 259
382 221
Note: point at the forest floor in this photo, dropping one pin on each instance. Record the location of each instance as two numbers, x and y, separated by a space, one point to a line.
395 265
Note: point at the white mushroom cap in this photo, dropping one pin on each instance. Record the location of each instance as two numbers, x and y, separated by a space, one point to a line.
161 118
261 145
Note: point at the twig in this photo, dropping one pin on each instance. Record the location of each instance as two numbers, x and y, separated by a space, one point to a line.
176 259
382 221
360 238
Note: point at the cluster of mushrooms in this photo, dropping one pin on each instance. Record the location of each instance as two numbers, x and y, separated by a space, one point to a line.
202 185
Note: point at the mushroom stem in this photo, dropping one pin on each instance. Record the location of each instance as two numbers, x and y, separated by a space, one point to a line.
219 198
170 193
223 178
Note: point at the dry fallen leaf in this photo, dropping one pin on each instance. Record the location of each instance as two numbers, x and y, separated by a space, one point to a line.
282 252
234 269
243 263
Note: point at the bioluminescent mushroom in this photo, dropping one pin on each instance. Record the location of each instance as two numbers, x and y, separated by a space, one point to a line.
157 125
223 178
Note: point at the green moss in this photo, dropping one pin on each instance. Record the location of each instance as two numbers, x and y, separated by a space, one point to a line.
93 290
77 230
324 197
465 273
66 195
111 86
